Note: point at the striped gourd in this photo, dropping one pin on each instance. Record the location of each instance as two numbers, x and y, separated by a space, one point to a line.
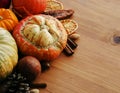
8 53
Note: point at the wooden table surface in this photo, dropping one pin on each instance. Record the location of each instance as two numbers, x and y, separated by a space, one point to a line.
95 65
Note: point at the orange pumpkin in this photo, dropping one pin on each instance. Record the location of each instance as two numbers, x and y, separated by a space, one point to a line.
24 8
8 20
41 36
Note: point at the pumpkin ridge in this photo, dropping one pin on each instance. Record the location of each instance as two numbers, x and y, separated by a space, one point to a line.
53 32
6 64
9 20
8 53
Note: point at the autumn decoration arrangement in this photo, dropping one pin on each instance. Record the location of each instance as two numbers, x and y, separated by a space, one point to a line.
32 37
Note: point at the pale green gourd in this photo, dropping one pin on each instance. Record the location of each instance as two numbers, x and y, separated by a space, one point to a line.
8 53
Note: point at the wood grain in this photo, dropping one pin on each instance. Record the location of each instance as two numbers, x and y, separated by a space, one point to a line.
95 66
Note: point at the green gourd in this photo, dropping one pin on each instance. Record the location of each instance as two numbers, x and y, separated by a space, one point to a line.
8 53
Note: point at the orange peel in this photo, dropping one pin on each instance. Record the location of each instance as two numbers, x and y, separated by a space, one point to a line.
54 5
70 25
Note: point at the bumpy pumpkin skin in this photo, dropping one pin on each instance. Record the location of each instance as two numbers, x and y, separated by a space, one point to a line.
41 36
8 53
8 20
28 7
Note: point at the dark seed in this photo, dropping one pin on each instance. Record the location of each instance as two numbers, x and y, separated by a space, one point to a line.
19 92
21 88
10 78
45 66
11 90
38 85
9 83
13 85
15 82
27 92
27 88
14 75
24 84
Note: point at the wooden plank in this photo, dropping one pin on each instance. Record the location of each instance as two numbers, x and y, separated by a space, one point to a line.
95 66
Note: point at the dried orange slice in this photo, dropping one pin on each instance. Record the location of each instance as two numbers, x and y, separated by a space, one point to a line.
70 25
54 5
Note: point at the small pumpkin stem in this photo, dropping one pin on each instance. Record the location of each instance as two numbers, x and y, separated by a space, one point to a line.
1 17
